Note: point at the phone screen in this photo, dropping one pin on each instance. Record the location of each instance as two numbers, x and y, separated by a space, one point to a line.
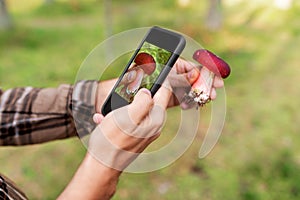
143 71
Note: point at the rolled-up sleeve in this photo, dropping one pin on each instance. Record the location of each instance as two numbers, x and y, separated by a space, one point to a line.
36 115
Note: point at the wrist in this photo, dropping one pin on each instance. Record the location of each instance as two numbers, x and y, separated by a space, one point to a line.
95 167
93 180
102 179
103 90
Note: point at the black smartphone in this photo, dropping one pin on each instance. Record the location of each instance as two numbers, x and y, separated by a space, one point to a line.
147 68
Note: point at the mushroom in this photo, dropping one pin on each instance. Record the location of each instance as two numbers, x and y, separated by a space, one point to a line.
212 66
146 62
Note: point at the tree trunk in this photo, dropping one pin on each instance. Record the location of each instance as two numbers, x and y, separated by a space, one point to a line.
108 26
5 20
108 17
214 15
48 1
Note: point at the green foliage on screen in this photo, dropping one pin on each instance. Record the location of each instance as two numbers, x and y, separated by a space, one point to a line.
161 57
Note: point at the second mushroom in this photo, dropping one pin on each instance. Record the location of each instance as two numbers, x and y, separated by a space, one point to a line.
144 65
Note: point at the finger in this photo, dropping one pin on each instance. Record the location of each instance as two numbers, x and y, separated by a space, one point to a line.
97 118
136 83
185 79
163 95
192 75
183 66
213 94
141 106
218 82
128 77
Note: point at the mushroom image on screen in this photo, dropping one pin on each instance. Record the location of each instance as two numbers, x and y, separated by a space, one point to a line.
144 65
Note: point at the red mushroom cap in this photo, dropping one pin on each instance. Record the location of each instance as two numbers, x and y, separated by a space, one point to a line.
212 62
146 62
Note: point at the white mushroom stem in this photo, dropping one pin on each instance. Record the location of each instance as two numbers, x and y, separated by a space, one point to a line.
201 90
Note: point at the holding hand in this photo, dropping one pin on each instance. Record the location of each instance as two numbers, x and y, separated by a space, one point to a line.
183 75
127 131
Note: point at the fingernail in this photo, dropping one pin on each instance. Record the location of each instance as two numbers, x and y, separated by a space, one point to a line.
131 75
97 118
192 74
146 91
184 105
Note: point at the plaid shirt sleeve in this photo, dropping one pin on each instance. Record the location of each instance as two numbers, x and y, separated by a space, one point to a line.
35 115
8 190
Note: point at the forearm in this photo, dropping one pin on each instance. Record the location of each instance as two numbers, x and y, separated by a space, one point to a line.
92 180
35 115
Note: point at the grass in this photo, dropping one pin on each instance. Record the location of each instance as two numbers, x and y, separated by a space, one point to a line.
257 156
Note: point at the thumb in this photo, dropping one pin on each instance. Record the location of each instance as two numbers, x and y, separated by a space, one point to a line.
141 106
192 75
97 118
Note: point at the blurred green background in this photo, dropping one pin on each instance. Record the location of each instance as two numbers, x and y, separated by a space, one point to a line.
257 156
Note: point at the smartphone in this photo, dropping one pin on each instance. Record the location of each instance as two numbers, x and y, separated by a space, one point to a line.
147 68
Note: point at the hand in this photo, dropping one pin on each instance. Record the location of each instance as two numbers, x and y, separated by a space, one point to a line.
127 131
